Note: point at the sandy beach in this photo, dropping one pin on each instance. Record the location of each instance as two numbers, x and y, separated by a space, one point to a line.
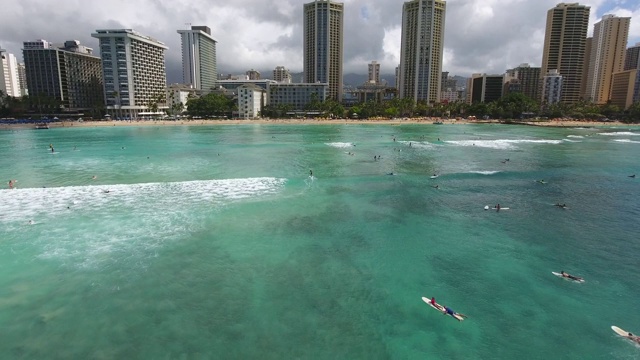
397 121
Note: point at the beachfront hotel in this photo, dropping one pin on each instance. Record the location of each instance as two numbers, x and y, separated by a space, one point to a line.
69 73
607 56
565 47
297 96
134 72
9 74
625 88
199 63
421 50
323 26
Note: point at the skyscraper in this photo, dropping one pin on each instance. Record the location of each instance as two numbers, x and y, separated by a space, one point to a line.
134 73
565 46
421 49
632 58
607 56
68 73
323 48
199 64
282 75
374 73
9 75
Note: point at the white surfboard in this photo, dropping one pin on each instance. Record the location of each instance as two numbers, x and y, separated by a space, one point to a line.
619 331
433 176
440 308
560 275
493 208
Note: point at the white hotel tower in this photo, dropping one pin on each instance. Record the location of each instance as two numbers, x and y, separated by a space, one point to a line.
9 79
134 72
199 67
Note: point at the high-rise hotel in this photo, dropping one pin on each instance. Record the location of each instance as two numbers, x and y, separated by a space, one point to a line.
9 75
199 67
565 47
323 49
68 73
134 71
608 49
421 50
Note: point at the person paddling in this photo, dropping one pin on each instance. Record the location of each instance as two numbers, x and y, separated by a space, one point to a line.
569 276
449 311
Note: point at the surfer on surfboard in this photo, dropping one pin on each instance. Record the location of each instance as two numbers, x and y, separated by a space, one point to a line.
449 311
569 276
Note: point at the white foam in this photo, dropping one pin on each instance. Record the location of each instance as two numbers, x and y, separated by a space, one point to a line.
576 136
620 133
485 172
571 141
628 141
124 226
502 144
418 144
340 145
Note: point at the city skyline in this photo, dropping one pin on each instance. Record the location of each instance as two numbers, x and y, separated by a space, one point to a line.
271 34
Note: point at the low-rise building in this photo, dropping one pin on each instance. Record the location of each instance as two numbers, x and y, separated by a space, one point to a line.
177 97
296 95
250 101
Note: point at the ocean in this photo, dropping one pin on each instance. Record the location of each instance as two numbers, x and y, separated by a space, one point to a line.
214 242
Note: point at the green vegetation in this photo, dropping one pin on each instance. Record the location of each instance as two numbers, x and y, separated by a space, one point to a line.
211 105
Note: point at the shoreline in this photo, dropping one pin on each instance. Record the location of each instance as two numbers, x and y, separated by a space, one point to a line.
400 121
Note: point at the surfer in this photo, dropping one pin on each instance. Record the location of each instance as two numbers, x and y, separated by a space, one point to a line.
52 150
30 222
311 173
435 186
449 311
498 207
569 276
94 177
632 337
632 176
10 184
390 173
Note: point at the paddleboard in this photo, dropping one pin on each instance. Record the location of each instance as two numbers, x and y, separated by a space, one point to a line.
433 177
488 208
439 307
566 278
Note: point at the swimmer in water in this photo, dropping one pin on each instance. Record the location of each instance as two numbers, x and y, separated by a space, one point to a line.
10 184
311 173
94 177
30 222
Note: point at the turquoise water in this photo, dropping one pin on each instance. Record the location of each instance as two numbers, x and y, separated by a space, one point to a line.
214 242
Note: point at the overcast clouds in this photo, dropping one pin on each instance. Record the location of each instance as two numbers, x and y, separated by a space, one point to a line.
481 35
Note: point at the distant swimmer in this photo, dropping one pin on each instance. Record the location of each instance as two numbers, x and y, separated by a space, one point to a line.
94 177
435 186
10 184
311 173
541 181
564 206
504 162
390 173
30 222
123 148
632 176
106 191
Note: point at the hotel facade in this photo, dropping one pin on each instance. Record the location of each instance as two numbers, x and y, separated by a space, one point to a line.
134 72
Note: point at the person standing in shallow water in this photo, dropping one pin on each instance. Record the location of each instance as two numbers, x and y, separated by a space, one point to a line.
311 173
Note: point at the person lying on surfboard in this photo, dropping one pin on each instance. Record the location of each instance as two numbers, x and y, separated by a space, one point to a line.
434 303
564 274
449 311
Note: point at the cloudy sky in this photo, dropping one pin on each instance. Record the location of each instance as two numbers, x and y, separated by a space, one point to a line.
480 36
